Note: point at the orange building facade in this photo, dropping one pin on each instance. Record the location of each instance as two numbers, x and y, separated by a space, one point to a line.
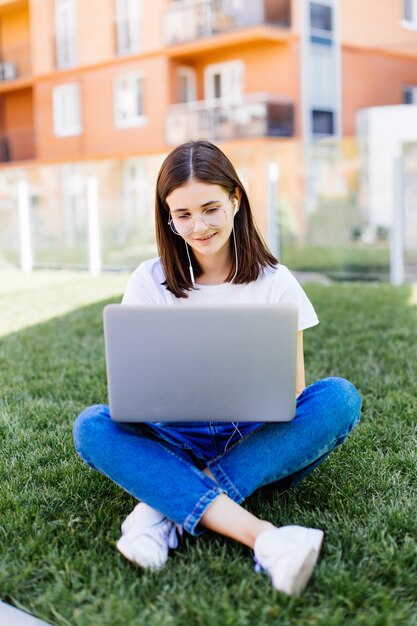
121 79
183 60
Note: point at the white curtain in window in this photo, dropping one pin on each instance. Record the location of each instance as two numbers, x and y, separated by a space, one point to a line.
67 110
186 84
129 100
65 33
128 14
225 81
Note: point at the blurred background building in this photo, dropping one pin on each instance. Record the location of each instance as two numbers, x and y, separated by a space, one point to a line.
94 94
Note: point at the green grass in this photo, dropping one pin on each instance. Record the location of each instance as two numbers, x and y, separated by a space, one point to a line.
353 261
60 520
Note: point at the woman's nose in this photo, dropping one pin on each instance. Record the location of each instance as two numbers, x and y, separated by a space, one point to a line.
199 223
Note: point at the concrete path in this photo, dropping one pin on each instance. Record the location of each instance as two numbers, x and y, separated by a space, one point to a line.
9 616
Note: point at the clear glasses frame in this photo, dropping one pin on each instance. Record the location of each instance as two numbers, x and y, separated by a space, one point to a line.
212 218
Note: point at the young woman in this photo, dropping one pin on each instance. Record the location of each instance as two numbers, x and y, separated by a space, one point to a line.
196 476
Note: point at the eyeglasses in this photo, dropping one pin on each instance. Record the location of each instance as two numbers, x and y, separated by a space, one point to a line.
184 225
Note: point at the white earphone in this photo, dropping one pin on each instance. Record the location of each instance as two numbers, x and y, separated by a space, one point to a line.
235 205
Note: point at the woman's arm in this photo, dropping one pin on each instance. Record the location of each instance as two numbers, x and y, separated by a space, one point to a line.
301 381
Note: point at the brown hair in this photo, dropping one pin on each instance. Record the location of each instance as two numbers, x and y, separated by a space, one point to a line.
206 163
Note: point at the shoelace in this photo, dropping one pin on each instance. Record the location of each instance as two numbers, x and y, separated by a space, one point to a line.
166 531
173 537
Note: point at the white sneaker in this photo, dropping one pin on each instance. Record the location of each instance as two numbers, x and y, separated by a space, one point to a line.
147 536
303 536
288 554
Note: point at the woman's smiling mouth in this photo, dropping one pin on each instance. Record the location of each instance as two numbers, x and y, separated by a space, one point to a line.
205 238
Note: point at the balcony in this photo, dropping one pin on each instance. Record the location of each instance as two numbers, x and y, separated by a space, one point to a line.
190 20
14 63
253 115
17 145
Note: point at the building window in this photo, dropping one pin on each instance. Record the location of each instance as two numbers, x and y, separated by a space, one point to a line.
410 13
410 94
128 18
65 33
224 81
321 23
67 110
128 93
186 84
323 122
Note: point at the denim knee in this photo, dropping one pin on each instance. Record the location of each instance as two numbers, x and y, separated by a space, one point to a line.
344 399
85 427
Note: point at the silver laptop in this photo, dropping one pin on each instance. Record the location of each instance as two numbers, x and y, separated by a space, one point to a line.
213 363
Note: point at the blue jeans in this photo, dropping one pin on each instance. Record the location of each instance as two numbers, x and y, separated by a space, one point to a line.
161 463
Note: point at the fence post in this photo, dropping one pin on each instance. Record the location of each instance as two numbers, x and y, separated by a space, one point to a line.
397 226
26 259
94 257
273 238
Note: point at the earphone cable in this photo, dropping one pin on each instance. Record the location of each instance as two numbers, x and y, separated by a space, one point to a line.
236 425
190 267
236 259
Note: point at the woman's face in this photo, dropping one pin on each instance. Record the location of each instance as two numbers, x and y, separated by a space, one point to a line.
190 201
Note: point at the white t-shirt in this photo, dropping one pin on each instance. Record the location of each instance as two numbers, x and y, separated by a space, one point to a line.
274 286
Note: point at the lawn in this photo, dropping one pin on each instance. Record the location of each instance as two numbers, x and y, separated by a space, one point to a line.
353 261
60 520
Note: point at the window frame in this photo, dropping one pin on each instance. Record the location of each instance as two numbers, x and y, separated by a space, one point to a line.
221 69
124 14
320 36
410 24
190 76
137 120
58 95
330 110
410 89
65 25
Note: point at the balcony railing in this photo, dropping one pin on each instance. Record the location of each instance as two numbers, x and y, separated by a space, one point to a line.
254 115
17 145
188 20
14 63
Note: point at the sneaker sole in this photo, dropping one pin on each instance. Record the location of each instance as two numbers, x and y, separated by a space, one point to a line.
123 546
304 575
314 539
297 575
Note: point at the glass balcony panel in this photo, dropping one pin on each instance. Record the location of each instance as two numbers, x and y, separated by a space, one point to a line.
254 115
14 63
189 20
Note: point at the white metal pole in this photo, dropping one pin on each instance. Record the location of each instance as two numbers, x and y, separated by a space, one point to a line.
397 226
94 256
273 237
26 259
